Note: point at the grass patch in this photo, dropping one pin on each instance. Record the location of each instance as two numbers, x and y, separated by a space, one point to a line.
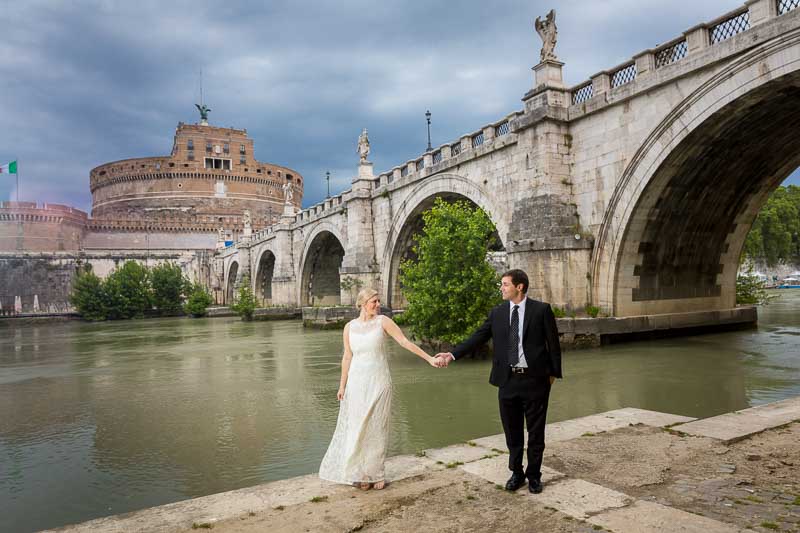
796 501
589 434
769 525
453 464
471 497
498 487
420 453
754 499
202 525
439 463
495 450
680 434
319 499
596 527
470 443
279 508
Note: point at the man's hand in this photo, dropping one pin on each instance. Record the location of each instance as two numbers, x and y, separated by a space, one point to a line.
552 379
444 358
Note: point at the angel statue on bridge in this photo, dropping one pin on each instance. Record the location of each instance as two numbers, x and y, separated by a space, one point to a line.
363 146
547 31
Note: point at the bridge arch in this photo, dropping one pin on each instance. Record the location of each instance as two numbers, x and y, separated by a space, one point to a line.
265 269
323 253
676 223
408 220
230 282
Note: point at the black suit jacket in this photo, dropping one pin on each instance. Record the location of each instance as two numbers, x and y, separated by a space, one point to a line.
539 341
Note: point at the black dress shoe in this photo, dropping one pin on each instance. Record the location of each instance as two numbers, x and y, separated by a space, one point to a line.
535 486
515 481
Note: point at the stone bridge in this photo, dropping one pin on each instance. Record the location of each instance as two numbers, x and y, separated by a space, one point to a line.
632 191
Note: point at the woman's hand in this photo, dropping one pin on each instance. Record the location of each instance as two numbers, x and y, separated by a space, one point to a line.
434 362
340 394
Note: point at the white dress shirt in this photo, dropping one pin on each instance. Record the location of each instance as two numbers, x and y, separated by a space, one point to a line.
522 362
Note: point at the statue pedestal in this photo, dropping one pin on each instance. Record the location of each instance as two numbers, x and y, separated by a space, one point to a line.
549 89
548 73
365 176
288 210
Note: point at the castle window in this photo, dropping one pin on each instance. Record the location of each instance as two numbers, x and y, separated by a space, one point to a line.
226 148
258 170
217 163
190 144
242 160
190 157
241 149
208 146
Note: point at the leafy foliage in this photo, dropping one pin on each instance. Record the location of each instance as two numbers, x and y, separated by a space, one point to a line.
246 303
170 287
450 287
128 291
88 295
750 290
198 302
775 235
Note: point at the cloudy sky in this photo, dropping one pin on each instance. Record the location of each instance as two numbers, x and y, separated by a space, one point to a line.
88 82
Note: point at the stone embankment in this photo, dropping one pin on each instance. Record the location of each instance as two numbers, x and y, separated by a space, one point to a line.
576 333
627 470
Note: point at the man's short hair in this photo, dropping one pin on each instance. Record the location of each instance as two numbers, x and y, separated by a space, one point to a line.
517 277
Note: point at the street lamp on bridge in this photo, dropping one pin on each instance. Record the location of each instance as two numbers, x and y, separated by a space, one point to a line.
328 179
428 118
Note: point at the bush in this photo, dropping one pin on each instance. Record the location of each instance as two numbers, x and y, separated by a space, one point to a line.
170 287
557 311
750 290
450 287
88 295
246 304
199 300
128 291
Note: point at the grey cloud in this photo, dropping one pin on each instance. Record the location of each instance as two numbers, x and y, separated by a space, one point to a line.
91 82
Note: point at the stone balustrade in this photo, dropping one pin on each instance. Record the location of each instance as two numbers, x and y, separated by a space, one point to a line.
693 41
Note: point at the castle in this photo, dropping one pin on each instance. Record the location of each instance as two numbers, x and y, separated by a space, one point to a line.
178 207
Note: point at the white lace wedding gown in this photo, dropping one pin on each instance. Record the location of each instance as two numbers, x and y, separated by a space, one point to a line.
358 447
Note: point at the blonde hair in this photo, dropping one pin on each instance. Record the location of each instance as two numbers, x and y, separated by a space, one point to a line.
364 296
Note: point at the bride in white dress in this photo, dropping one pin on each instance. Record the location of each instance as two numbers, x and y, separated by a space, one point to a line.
358 448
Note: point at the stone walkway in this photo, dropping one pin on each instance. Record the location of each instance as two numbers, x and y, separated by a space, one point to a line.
588 491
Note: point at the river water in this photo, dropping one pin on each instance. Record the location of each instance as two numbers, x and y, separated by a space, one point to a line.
100 419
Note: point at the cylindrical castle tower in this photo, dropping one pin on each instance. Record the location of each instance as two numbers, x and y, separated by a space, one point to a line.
207 182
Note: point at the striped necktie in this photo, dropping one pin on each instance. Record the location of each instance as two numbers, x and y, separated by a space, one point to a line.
513 338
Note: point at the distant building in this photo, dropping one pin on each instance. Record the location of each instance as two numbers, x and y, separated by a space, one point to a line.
174 202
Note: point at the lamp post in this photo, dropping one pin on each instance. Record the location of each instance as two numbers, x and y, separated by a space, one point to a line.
328 179
428 118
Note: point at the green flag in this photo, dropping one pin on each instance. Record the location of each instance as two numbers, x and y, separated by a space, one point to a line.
10 168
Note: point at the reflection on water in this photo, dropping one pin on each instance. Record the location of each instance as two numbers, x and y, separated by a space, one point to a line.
99 419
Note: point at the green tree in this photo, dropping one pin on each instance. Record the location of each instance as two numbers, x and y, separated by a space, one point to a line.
170 287
450 287
246 304
88 295
750 290
128 291
775 235
198 302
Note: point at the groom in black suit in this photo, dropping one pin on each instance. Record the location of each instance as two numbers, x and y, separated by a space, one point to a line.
526 362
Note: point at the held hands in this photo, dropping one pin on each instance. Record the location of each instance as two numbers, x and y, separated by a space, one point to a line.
443 359
340 394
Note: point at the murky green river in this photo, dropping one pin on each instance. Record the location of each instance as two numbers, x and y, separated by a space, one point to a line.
100 419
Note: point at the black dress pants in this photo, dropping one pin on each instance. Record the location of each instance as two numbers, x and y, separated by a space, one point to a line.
523 400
